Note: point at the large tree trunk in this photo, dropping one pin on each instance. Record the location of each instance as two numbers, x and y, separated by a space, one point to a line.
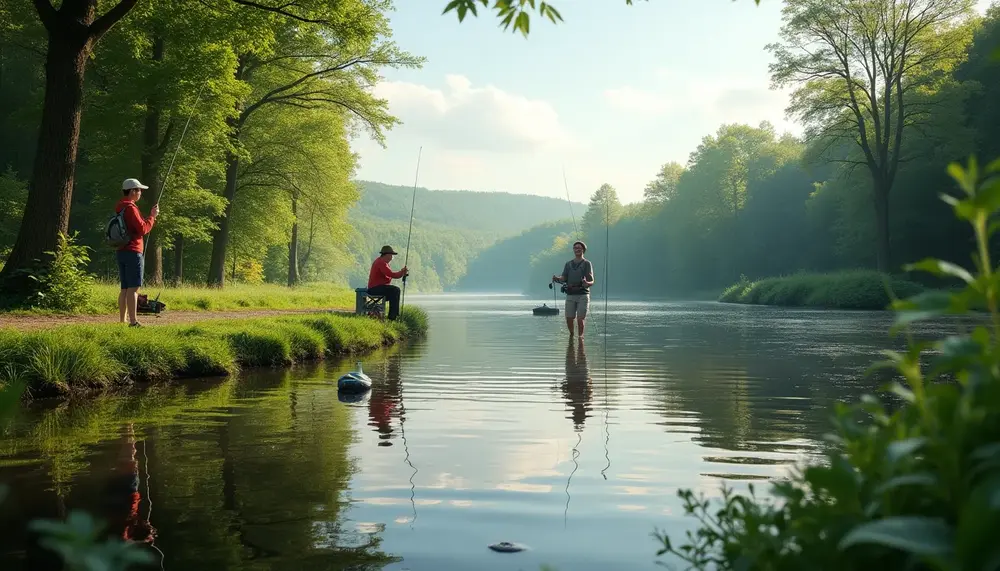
882 250
293 244
50 193
220 238
178 259
72 32
152 154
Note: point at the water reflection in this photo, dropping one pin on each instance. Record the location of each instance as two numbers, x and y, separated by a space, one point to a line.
577 389
384 403
508 422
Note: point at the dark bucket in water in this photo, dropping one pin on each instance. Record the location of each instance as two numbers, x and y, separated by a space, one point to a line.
545 310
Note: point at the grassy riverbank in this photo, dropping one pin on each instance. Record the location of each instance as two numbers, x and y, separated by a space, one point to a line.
854 289
103 298
74 358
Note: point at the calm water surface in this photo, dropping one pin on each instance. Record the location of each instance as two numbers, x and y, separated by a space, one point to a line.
495 428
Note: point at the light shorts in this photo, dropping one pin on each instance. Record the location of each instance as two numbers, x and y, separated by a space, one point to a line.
577 305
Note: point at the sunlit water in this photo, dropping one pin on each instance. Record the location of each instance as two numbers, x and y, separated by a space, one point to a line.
497 427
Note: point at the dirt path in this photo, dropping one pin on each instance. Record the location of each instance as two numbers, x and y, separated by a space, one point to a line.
34 322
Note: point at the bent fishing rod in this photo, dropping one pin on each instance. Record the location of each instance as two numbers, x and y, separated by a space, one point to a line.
180 141
413 203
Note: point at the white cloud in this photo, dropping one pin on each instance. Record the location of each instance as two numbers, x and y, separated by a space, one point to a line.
710 100
468 118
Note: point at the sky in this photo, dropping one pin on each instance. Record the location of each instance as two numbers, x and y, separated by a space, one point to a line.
609 94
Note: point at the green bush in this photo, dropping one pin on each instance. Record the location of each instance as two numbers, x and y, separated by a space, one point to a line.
851 289
912 480
61 283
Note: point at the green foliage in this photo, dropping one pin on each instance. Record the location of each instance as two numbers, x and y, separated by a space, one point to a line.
77 541
911 479
73 358
62 282
852 289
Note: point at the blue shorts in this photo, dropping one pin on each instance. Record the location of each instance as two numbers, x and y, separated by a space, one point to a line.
130 266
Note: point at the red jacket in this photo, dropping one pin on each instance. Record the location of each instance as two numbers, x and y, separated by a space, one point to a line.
380 274
137 226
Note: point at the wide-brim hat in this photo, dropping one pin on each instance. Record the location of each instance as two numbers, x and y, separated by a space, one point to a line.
388 250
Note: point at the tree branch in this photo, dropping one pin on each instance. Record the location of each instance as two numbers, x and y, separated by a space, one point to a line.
47 14
280 10
109 19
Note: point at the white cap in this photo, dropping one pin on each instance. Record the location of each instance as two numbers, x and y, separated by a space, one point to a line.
131 183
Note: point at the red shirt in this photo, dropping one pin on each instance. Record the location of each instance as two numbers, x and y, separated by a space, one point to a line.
380 274
137 226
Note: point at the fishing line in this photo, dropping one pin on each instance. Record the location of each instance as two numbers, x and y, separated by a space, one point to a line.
576 466
406 452
413 203
607 261
170 168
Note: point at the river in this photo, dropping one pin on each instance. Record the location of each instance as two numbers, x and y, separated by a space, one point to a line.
497 427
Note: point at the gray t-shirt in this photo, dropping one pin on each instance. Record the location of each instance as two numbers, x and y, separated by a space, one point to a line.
574 272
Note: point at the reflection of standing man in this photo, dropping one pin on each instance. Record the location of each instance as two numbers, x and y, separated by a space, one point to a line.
577 389
384 402
124 496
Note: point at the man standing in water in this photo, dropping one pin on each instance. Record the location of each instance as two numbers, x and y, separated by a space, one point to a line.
130 256
578 275
379 278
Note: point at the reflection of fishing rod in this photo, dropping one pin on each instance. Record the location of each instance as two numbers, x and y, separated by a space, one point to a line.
149 500
413 203
170 168
576 466
406 449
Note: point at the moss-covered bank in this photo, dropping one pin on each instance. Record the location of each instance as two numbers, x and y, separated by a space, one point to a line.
74 358
854 289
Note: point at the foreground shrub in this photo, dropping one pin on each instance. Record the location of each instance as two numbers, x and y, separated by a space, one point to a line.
914 485
852 289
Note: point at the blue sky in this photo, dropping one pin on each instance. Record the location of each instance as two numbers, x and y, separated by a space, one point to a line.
611 93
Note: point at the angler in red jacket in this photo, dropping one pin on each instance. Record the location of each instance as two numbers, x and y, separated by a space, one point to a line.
130 256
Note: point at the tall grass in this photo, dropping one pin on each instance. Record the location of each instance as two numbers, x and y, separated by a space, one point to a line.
853 289
103 297
76 358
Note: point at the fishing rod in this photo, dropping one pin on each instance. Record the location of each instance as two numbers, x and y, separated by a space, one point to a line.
576 229
607 262
180 141
410 232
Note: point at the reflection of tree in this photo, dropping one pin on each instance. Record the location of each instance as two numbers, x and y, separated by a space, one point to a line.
384 403
254 483
577 388
755 387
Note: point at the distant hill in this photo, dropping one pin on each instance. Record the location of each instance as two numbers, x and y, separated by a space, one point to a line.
501 213
506 265
450 229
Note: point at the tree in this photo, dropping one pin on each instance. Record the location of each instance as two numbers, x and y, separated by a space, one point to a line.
604 209
861 67
664 186
313 67
73 30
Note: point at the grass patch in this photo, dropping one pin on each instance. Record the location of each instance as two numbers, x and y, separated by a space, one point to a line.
853 289
104 298
77 358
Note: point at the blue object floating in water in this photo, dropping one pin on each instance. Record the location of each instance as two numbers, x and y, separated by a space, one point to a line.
508 547
355 381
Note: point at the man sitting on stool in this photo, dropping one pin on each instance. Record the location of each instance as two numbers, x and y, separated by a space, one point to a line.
380 277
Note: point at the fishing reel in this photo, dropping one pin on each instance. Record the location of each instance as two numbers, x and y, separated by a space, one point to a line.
562 287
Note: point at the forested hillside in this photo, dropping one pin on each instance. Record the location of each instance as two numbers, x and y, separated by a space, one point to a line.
752 202
502 213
